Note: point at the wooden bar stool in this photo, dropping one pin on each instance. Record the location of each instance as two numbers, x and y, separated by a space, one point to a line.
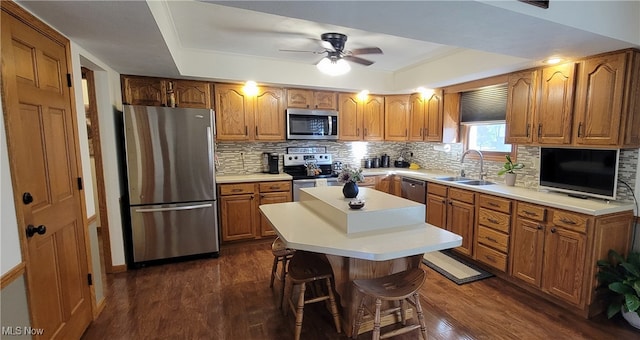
402 287
308 268
280 254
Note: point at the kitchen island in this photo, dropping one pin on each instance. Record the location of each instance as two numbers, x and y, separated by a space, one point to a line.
358 243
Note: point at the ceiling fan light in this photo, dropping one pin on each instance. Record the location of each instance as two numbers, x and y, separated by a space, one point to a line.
333 67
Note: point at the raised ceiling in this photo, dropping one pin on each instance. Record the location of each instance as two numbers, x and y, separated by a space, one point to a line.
425 43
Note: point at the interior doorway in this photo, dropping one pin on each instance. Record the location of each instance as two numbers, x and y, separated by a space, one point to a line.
95 153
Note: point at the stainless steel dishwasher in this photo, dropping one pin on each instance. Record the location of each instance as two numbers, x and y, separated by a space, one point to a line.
414 189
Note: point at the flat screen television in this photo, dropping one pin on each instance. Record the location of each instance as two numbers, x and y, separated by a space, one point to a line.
580 172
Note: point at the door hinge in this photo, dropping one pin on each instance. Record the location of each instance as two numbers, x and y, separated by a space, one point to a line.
89 279
79 183
69 79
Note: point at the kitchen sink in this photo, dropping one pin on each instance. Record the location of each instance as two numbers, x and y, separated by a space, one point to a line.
476 182
453 179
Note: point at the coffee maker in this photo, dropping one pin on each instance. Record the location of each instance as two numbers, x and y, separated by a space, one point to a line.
274 158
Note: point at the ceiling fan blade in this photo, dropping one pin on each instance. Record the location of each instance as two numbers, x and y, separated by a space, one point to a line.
306 51
366 50
358 60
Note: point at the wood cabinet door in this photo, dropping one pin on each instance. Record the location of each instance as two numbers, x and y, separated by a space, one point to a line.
396 118
145 91
564 261
433 111
350 117
416 117
599 97
460 220
270 198
555 104
521 100
384 184
436 211
192 94
233 114
527 251
451 118
269 114
325 100
299 98
237 216
373 118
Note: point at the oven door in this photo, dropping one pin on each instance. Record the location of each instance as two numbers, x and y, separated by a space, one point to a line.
312 124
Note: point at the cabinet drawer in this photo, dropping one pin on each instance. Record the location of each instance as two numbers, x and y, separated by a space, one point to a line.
461 195
495 203
275 186
437 189
493 238
532 212
236 189
492 257
572 221
494 219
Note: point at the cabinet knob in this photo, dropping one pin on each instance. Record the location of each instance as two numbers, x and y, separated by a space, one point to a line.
539 227
553 230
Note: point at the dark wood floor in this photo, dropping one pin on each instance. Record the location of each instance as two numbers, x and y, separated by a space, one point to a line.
229 298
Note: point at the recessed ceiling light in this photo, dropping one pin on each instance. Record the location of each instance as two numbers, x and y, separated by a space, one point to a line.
553 60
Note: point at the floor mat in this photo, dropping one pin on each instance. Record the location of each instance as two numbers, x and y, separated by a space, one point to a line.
454 267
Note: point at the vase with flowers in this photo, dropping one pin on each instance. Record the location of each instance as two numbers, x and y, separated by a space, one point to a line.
350 177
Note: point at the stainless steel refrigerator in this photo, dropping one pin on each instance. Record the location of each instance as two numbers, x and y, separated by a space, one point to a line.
171 179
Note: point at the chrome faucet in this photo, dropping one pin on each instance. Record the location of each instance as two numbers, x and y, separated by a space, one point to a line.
482 174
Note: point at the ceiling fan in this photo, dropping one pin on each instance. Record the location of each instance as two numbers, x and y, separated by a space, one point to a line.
333 44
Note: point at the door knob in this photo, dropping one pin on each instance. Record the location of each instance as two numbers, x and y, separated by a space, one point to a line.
27 198
31 230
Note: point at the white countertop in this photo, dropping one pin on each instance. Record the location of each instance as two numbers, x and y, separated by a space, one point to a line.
301 228
589 206
254 177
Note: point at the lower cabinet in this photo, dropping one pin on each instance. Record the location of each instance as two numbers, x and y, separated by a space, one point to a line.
452 209
240 218
556 252
391 184
493 233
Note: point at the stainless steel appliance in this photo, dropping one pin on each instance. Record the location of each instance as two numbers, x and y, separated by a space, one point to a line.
296 162
265 162
312 124
171 182
414 189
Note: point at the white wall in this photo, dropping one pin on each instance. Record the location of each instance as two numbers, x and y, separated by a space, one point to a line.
10 255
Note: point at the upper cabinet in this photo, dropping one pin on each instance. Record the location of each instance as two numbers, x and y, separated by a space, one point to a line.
426 115
193 94
240 117
309 99
595 102
521 100
607 110
555 104
361 119
396 118
149 91
145 91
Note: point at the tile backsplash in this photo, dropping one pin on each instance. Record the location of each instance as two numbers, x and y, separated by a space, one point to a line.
246 157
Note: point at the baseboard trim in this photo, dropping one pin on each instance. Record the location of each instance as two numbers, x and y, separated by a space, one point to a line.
118 269
99 308
12 275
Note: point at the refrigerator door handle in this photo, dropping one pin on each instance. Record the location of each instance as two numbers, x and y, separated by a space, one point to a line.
186 207
209 148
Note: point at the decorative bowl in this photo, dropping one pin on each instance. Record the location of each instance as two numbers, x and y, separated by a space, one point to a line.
356 204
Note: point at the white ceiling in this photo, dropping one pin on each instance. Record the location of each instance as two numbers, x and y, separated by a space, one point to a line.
428 43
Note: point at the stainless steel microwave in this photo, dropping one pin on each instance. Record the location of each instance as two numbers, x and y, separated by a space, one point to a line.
312 124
